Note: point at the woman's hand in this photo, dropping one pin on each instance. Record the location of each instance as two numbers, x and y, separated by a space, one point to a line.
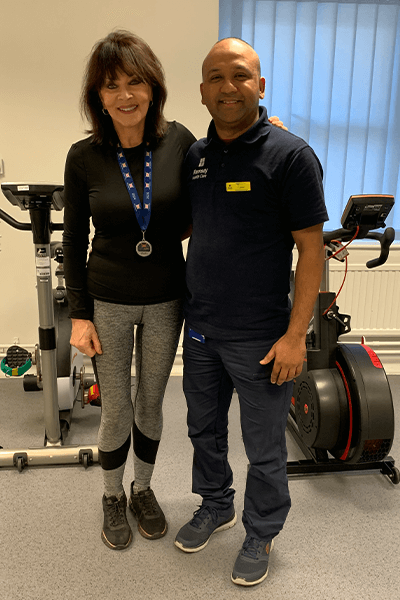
187 233
84 337
277 122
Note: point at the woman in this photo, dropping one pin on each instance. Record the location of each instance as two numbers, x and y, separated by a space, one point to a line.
132 284
127 178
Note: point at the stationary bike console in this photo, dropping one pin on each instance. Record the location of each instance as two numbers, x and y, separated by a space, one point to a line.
25 195
342 403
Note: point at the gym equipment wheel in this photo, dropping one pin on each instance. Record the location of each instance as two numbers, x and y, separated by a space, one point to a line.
30 383
20 461
394 476
86 458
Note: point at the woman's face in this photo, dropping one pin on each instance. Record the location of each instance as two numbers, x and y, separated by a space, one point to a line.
127 100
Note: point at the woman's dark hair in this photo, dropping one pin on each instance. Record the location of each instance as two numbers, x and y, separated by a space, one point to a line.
123 51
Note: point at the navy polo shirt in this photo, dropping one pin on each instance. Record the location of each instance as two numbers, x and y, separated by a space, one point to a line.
246 198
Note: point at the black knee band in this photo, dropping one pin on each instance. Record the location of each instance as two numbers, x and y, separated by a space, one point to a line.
115 458
144 447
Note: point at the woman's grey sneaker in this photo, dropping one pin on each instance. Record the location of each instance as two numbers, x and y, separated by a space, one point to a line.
251 566
146 510
193 536
116 533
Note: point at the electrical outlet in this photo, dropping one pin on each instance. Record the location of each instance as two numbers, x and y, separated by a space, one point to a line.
1 166
16 341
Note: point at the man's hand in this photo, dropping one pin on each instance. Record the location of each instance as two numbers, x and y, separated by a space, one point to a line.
277 122
288 352
84 337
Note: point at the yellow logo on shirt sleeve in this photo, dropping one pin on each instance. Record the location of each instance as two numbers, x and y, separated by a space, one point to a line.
238 186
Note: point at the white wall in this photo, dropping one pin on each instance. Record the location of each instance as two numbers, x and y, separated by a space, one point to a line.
43 49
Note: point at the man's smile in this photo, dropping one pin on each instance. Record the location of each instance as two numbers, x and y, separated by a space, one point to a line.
230 101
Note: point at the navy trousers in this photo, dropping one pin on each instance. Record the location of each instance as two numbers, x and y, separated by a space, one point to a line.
211 371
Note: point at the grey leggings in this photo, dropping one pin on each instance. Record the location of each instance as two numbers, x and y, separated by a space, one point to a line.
157 336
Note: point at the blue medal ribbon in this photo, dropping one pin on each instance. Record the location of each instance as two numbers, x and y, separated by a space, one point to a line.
142 212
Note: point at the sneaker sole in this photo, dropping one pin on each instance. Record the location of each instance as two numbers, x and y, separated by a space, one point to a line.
112 546
240 581
222 527
154 536
148 536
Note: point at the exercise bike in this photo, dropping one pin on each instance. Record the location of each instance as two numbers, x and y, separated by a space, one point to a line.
60 371
342 413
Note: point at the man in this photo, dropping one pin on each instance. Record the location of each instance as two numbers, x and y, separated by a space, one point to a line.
255 191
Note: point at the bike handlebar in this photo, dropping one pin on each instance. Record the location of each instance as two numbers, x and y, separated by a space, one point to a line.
14 223
385 239
26 226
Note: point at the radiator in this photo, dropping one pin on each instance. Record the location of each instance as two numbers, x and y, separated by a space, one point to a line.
372 297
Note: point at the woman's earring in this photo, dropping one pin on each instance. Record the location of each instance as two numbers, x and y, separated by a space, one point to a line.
104 111
150 103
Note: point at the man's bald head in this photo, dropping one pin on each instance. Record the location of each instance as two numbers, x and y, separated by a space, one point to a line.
235 45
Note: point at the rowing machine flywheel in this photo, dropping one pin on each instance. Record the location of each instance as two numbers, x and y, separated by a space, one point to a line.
347 410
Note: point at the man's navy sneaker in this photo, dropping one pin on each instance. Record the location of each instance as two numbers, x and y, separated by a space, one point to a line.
194 536
251 566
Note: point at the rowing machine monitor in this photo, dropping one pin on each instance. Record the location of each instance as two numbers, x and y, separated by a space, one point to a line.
367 212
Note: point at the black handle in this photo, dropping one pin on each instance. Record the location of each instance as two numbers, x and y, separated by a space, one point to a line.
385 239
14 223
342 235
26 226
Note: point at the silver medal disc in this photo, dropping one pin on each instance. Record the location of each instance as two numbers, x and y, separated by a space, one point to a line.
144 248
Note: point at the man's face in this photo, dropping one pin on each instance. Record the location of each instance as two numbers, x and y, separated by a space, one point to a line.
232 87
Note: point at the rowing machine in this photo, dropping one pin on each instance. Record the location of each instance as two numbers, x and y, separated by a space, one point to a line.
342 413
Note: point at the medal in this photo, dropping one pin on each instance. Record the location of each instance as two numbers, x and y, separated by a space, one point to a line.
144 248
142 211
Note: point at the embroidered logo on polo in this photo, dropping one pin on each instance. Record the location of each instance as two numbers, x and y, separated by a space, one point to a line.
200 173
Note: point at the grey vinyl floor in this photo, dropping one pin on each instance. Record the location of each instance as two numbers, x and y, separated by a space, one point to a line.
341 539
